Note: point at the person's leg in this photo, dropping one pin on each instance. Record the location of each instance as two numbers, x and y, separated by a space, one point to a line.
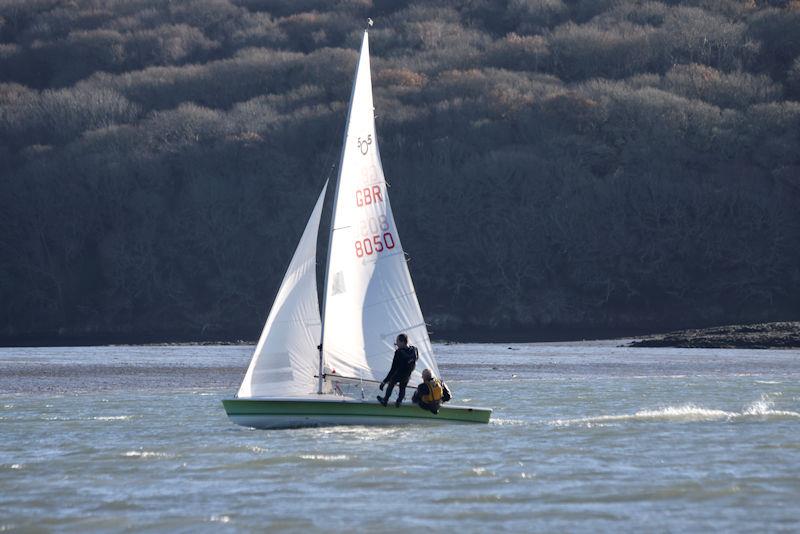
430 407
389 388
401 393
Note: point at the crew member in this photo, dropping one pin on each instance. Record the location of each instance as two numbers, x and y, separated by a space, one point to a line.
403 363
431 393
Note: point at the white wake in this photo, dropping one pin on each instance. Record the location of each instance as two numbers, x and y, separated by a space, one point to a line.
758 410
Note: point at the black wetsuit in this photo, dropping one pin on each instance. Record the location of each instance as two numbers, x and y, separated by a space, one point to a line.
422 390
403 364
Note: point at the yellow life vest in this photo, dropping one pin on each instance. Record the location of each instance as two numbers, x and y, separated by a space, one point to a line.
435 391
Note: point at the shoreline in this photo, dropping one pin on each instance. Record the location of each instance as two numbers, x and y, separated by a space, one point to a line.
778 335
784 334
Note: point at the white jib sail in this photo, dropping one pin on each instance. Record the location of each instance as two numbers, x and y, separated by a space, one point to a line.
285 359
369 297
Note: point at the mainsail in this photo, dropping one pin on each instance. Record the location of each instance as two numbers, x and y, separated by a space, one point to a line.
284 363
369 296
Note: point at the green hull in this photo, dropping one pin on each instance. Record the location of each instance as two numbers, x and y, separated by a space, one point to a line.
287 413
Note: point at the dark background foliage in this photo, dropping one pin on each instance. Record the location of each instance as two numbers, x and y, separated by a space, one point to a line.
559 167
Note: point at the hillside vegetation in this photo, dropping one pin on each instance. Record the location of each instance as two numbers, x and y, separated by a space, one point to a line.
556 166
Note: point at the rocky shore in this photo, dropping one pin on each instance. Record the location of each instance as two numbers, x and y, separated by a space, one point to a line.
751 336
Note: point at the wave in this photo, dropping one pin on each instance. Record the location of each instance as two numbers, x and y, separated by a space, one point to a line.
764 407
146 454
760 409
325 457
501 421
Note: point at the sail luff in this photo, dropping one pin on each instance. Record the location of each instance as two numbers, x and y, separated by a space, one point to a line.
363 56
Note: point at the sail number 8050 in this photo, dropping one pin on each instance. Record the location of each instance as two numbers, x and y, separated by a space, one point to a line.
372 245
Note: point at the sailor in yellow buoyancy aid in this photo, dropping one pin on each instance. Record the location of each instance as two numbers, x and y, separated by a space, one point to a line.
431 393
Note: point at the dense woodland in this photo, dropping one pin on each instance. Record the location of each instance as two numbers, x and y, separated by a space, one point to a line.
557 167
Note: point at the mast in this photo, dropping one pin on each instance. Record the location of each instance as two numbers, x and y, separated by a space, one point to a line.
320 374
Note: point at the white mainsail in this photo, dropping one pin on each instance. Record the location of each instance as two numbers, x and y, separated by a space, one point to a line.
369 296
284 362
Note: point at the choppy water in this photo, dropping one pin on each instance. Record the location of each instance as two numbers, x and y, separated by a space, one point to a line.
585 437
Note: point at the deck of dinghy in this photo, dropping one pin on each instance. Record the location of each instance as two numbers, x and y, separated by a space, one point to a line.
294 412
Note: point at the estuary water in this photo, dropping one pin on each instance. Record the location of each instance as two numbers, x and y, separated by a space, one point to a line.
584 437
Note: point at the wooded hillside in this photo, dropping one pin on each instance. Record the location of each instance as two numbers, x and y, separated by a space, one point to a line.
556 166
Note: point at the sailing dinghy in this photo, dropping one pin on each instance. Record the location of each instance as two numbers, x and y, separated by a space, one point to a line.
310 370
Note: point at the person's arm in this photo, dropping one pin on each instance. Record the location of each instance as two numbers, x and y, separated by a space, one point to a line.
393 370
422 389
445 393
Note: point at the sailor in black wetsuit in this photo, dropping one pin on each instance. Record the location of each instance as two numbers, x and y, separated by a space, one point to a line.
403 363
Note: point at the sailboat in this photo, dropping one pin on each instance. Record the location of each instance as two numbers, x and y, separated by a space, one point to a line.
310 369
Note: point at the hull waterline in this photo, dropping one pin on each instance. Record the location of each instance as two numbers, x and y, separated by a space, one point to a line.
294 413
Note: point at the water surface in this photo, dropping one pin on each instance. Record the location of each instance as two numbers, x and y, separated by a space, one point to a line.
585 437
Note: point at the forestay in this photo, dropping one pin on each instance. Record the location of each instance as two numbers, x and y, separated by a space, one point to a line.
284 362
369 296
